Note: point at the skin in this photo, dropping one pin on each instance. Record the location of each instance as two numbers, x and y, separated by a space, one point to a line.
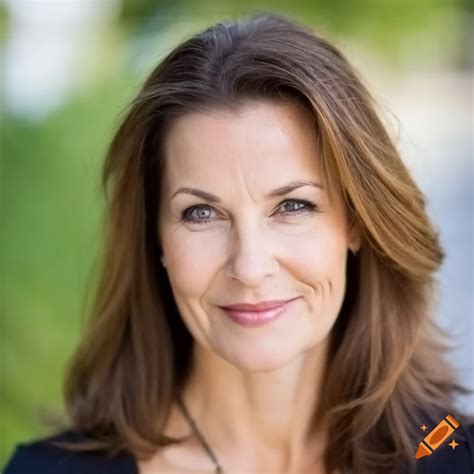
252 390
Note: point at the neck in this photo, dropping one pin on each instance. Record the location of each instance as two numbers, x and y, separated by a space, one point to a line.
264 413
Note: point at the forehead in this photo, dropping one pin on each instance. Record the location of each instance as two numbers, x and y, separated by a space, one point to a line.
261 139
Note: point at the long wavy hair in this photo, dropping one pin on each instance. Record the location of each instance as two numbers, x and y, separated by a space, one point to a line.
385 374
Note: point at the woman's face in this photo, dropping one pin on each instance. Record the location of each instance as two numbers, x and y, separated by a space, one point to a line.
226 239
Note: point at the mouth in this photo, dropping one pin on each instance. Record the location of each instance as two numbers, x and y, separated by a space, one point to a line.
247 317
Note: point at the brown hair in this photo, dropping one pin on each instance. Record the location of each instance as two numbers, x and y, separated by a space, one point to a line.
385 374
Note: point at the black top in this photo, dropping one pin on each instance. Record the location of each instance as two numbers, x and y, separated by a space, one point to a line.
40 457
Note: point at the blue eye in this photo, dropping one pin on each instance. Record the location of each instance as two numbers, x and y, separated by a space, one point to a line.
201 214
197 214
298 206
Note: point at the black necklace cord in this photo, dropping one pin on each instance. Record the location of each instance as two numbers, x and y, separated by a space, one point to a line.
203 441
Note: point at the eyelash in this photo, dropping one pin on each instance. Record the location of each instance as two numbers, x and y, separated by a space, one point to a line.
308 206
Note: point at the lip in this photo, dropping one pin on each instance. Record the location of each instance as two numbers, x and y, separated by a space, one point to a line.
254 315
263 305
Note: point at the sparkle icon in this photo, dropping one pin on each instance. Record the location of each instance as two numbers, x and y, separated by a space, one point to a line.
424 427
437 437
453 444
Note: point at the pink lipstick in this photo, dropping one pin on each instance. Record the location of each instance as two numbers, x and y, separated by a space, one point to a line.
254 315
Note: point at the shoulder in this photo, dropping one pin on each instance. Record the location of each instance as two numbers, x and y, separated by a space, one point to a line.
449 457
43 457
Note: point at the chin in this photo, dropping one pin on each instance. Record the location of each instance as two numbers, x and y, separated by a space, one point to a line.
261 359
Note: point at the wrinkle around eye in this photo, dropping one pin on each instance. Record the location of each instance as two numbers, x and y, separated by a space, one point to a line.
299 215
188 211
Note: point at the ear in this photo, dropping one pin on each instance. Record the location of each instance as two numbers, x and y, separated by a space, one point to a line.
354 237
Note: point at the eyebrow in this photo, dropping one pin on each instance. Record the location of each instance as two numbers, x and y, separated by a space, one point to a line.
281 191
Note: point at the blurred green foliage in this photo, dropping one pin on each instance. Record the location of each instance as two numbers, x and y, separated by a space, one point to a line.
50 229
384 26
3 23
51 198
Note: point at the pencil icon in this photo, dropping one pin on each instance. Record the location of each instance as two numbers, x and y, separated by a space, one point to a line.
437 437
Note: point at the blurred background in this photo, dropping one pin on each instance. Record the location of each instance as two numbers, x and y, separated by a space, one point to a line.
70 67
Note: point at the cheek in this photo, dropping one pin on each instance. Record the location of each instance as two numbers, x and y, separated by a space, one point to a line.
320 254
319 263
190 263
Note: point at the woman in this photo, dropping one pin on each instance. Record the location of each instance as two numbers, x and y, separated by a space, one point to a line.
265 302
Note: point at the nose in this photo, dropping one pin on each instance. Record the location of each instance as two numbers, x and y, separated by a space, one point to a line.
251 256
